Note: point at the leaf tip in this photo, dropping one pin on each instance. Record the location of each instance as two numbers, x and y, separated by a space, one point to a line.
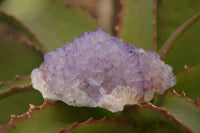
31 106
183 94
17 77
13 116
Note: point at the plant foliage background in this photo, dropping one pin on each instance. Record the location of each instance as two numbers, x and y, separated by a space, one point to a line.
30 28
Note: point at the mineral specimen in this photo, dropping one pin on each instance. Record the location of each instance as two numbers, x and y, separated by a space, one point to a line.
98 70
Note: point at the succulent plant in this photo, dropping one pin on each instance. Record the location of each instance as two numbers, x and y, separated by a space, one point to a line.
168 29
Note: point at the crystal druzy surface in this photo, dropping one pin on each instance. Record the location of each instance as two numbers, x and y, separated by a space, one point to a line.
98 70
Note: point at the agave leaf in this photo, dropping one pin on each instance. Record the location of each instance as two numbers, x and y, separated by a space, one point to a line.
15 96
17 59
172 14
182 108
135 24
164 128
149 116
41 119
188 81
19 83
16 102
182 47
53 22
102 126
114 125
12 22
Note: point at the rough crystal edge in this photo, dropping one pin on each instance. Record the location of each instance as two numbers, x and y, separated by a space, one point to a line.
118 95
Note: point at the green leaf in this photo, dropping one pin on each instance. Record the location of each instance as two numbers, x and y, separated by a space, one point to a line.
183 108
182 47
164 128
17 59
115 125
149 116
17 84
16 102
171 14
50 117
188 81
103 126
135 24
52 21
12 22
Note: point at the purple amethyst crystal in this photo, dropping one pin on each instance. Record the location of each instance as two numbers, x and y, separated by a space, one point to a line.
98 70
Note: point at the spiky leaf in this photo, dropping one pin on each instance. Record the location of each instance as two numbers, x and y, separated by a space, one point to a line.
103 126
182 108
16 102
49 117
135 24
171 14
149 116
52 21
188 81
182 47
17 25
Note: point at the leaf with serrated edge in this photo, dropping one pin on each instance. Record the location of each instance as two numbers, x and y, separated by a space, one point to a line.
52 21
16 102
183 42
15 95
106 126
172 14
13 22
182 108
188 81
19 83
17 57
135 24
58 114
102 126
148 116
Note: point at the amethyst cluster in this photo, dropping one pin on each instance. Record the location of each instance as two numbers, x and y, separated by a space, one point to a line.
98 70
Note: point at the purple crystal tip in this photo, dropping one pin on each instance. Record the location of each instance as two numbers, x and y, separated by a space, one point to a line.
98 70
